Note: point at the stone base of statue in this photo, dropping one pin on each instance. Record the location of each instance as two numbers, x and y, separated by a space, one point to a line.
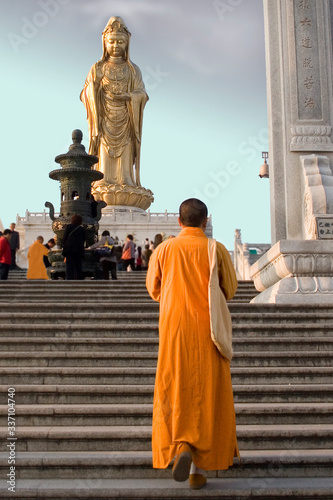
117 194
295 272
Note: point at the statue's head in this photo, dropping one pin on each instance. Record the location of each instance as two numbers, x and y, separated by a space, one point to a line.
115 39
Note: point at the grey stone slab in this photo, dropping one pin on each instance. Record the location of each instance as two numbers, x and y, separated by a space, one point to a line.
238 489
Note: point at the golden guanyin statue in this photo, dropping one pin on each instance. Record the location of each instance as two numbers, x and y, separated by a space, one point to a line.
114 96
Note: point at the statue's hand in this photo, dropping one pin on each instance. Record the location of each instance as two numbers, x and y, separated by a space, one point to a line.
122 97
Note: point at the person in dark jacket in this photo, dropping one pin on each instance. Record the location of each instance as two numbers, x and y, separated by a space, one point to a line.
5 254
73 248
49 245
14 245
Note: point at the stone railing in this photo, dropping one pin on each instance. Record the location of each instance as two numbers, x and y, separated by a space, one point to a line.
34 218
116 215
242 261
246 254
145 217
120 221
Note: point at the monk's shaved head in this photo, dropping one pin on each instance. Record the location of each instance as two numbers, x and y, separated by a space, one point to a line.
193 213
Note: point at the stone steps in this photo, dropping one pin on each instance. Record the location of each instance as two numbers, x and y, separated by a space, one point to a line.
56 394
142 358
61 291
269 488
141 414
84 373
260 345
129 464
134 438
146 375
86 330
124 279
92 329
80 318
109 320
260 314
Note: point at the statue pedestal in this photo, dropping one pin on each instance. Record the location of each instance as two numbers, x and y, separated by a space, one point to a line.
295 272
115 195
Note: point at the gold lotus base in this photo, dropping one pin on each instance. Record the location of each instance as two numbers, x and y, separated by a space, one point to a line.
129 196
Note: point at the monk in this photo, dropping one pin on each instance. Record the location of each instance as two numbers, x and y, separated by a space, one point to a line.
37 269
193 413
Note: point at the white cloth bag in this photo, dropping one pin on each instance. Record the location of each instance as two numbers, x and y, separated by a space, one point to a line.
220 317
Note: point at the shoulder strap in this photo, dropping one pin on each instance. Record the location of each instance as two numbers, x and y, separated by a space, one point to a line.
70 234
212 255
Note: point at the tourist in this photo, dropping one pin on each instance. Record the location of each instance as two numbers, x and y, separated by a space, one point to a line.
14 245
73 248
151 246
146 256
93 206
193 413
49 245
128 255
138 259
157 240
36 253
5 254
107 262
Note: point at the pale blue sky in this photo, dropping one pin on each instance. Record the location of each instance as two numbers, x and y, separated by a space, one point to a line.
205 124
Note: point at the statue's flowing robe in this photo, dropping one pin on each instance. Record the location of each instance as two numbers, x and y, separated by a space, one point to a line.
193 399
115 127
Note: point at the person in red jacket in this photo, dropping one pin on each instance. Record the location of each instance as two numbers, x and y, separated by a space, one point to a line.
5 254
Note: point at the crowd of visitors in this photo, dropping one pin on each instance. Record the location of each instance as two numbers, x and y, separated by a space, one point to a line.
111 255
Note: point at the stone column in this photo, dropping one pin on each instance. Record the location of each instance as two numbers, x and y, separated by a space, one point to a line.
298 37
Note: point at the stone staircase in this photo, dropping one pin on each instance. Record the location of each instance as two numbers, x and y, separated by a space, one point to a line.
81 357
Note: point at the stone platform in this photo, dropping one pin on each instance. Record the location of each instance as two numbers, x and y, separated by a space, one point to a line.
295 272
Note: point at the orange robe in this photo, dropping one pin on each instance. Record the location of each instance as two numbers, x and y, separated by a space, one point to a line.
37 269
193 399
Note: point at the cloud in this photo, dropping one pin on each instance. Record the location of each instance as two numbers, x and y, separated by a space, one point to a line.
186 32
135 12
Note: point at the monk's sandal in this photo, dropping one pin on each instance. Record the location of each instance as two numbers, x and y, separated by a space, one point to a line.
181 467
197 481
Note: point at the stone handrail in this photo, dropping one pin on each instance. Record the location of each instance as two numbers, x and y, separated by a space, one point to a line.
242 261
121 216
